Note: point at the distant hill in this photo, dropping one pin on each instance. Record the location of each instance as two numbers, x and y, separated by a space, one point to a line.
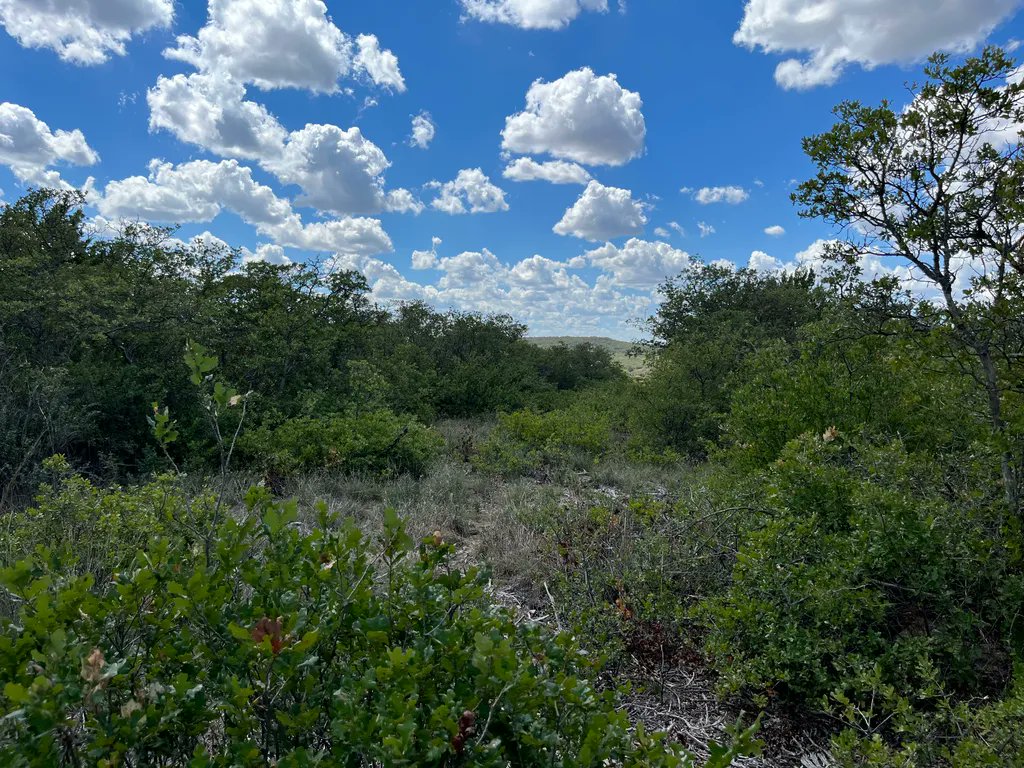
619 349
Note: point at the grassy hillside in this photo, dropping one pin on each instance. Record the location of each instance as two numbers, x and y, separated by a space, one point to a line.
619 349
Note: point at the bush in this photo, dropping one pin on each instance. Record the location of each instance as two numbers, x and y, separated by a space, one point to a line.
374 443
866 384
972 734
872 568
525 441
623 565
713 317
97 531
294 648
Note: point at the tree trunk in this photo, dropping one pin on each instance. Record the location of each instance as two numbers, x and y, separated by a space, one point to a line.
994 393
995 409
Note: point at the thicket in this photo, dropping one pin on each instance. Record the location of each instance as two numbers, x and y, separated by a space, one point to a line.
91 329
852 540
286 646
846 539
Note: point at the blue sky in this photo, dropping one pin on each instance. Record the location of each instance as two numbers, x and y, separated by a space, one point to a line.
667 119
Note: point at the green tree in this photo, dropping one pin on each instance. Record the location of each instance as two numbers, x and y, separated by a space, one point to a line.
712 318
938 185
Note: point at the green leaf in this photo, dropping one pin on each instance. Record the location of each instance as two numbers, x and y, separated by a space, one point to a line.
16 693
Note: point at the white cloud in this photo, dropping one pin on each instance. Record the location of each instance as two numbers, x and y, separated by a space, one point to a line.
423 131
426 259
776 230
706 230
380 66
531 14
677 228
268 252
762 262
541 292
638 264
30 148
82 31
835 33
470 188
602 213
339 171
402 201
199 191
283 44
662 232
816 257
730 195
580 117
192 192
210 110
554 171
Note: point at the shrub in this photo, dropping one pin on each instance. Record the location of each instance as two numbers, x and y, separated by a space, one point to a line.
97 531
872 567
526 440
295 648
971 734
378 442
866 384
712 318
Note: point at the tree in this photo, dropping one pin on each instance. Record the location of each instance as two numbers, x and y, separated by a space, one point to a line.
939 185
712 318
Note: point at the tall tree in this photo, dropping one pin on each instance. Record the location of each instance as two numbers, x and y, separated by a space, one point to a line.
939 185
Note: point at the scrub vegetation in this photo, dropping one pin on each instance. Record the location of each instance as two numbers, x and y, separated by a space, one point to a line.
251 518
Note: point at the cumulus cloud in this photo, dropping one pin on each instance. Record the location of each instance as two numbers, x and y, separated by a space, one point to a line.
284 44
470 192
531 14
426 259
819 256
268 252
277 44
544 293
30 148
638 264
603 213
554 171
775 230
706 230
83 31
381 66
580 117
730 195
210 110
762 262
199 191
339 171
836 33
423 131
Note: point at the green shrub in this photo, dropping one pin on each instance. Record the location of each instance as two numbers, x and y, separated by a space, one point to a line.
867 384
973 734
712 318
623 565
872 567
526 440
294 648
378 442
97 531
